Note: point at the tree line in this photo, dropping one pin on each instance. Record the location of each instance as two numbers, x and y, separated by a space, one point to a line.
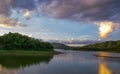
16 41
104 46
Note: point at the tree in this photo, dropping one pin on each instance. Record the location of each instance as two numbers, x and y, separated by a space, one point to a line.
16 41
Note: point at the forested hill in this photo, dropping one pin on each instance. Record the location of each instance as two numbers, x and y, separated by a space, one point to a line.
104 46
60 46
16 41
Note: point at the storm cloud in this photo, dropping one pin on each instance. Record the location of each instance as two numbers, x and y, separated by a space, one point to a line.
4 8
92 10
79 10
23 4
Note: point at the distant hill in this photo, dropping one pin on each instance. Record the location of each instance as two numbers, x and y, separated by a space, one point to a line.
60 46
16 41
104 46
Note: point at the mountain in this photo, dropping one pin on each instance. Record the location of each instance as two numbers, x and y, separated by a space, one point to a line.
75 41
16 41
60 46
104 46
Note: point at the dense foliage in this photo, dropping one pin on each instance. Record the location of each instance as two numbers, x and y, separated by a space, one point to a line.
104 46
16 41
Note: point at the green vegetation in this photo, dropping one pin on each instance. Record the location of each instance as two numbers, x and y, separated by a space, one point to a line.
16 41
60 46
26 53
21 61
112 46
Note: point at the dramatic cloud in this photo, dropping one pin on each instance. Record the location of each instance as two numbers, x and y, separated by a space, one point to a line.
4 8
8 22
105 28
87 11
23 4
77 10
92 10
81 10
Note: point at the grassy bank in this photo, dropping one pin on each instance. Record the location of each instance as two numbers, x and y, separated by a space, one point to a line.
27 53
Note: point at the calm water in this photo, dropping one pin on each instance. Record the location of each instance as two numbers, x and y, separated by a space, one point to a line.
69 62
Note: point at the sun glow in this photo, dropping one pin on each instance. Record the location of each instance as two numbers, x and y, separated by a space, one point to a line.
27 14
104 66
107 27
104 69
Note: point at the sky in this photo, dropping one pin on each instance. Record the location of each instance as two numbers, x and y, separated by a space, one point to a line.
62 19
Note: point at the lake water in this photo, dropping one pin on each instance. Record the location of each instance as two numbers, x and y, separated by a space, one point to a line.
68 62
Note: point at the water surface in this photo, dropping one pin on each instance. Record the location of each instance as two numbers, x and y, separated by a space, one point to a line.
69 62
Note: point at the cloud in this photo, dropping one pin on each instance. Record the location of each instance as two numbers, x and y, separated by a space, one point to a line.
87 11
27 14
4 8
7 22
107 27
80 10
92 10
23 4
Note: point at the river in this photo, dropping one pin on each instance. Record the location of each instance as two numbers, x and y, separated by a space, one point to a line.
68 62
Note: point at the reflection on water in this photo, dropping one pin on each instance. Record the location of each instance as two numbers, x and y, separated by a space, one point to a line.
4 70
65 63
11 64
104 69
103 66
22 61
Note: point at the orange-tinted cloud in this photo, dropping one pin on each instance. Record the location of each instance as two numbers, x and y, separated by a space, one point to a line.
106 28
7 22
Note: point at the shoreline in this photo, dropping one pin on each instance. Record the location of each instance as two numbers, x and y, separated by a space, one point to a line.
27 53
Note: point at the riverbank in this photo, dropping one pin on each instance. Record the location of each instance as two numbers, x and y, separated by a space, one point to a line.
27 53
